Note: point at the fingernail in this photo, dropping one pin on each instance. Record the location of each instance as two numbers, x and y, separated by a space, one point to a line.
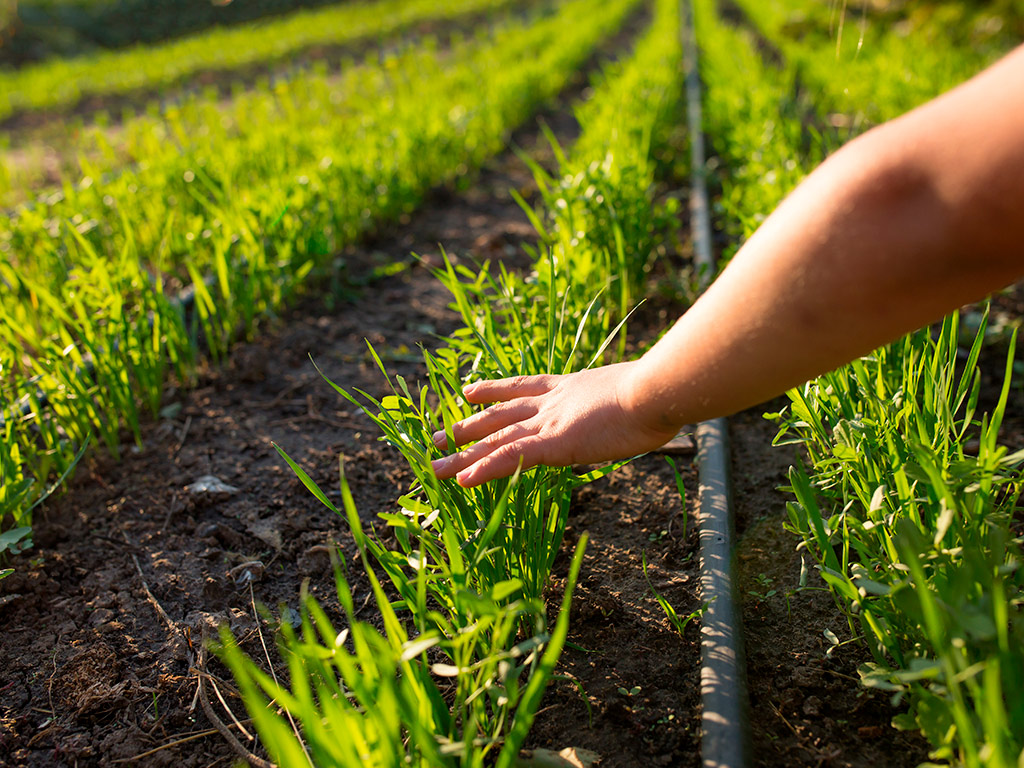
438 437
465 477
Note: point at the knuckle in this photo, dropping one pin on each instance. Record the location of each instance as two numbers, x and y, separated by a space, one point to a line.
506 434
492 411
508 452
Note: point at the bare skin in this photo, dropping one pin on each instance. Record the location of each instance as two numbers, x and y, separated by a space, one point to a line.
904 224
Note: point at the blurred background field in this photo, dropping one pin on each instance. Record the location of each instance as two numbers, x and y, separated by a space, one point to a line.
34 30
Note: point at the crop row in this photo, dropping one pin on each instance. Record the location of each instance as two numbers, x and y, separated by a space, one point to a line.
907 501
769 133
63 27
866 67
60 84
89 275
470 566
202 119
752 116
206 149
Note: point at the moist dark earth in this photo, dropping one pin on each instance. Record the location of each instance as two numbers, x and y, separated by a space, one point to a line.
104 618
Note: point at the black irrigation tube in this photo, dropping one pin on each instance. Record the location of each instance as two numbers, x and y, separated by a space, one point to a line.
722 683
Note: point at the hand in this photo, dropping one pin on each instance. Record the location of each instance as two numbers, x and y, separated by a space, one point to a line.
578 418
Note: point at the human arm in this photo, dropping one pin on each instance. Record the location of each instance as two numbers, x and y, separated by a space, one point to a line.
905 223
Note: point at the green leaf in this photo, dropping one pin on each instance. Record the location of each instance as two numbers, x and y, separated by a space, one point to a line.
872 587
878 677
307 480
538 681
505 589
14 539
904 722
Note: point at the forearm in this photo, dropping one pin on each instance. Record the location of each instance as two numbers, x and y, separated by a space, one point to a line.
888 235
913 219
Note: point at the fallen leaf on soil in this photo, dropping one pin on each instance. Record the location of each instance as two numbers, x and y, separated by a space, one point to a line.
100 697
266 531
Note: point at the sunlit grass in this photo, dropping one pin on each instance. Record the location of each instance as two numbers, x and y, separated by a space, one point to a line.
908 500
908 507
471 567
61 83
246 223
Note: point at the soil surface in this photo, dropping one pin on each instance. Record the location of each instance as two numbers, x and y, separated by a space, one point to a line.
104 619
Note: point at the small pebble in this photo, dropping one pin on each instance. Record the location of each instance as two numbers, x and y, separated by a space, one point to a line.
812 706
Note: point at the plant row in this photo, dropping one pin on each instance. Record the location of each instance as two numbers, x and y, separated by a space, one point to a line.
60 84
907 500
203 116
866 67
471 566
88 321
752 114
46 28
907 507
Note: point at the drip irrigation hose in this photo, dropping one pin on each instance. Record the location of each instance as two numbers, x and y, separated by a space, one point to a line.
723 689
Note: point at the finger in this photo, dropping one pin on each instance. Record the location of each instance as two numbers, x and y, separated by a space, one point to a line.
501 390
480 425
449 466
501 462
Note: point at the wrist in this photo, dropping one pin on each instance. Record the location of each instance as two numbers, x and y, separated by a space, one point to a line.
647 401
